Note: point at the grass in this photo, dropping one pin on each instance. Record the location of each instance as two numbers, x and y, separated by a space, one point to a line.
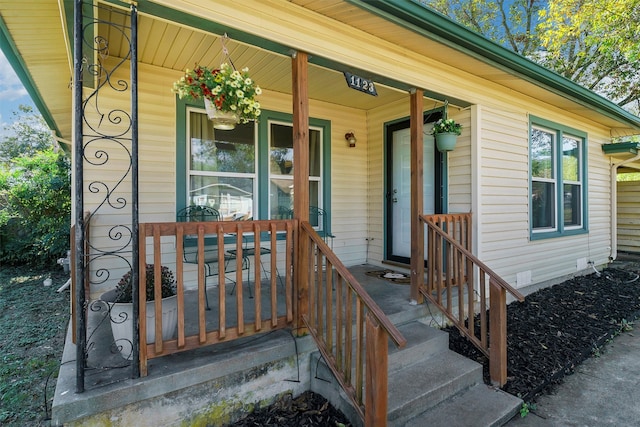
33 321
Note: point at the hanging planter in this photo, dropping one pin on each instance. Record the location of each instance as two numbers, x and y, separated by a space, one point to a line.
446 133
446 141
222 120
224 90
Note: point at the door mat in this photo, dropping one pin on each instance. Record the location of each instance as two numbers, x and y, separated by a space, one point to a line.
390 275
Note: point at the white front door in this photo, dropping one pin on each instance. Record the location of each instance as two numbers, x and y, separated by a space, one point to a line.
399 191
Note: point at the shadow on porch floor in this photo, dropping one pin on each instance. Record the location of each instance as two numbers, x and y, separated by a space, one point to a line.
108 383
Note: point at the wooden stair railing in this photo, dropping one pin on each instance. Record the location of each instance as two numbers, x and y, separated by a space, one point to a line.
453 275
338 304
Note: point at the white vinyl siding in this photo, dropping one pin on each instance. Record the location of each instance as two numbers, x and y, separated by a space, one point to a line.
504 242
628 216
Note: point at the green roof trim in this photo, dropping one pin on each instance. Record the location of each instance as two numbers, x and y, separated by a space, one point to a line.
621 147
435 26
10 51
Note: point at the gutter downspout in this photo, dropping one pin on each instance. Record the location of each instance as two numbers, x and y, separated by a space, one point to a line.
614 205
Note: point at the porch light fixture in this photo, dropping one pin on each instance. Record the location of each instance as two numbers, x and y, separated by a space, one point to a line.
351 138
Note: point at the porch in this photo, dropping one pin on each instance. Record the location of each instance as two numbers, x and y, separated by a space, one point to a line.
243 350
264 366
111 388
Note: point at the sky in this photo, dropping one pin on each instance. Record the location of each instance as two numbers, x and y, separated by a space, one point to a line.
12 93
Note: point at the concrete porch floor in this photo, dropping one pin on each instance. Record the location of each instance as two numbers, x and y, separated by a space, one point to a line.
108 383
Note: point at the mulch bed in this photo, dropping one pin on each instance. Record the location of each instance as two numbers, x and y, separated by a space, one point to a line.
559 327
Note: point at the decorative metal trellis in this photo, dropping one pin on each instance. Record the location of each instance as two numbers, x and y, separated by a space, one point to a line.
106 143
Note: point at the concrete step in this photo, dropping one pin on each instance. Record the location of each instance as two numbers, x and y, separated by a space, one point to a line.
428 384
422 342
421 386
478 406
431 385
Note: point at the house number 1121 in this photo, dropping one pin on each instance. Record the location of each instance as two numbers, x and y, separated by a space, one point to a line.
361 84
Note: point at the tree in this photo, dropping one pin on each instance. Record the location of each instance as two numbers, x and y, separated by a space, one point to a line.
25 135
35 194
511 23
595 43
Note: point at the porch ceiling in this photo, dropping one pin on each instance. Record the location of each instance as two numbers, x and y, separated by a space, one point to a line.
170 45
38 34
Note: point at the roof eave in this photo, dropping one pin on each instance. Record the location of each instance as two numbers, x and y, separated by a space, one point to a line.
10 51
632 148
436 26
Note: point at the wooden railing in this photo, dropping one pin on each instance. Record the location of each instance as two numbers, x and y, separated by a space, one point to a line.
457 282
337 307
165 243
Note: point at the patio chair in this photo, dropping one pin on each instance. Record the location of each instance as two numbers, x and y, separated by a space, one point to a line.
319 219
190 255
284 212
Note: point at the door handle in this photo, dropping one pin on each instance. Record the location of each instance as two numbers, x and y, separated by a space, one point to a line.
395 200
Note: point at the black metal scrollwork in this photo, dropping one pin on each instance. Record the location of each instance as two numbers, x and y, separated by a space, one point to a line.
108 157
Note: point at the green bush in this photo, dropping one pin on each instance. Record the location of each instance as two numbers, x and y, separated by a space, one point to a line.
35 208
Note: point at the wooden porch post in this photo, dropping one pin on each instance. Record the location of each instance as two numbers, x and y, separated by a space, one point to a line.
417 227
301 178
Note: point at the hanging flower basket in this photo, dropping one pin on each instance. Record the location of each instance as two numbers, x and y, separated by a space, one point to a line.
226 89
223 120
446 132
446 141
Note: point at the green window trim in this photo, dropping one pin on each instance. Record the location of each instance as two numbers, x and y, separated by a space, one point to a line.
556 164
262 173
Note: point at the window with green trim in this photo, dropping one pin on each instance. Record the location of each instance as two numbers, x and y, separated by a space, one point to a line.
247 173
281 168
557 176
221 167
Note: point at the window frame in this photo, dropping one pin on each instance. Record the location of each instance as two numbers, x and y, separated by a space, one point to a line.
319 179
253 176
559 132
262 174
